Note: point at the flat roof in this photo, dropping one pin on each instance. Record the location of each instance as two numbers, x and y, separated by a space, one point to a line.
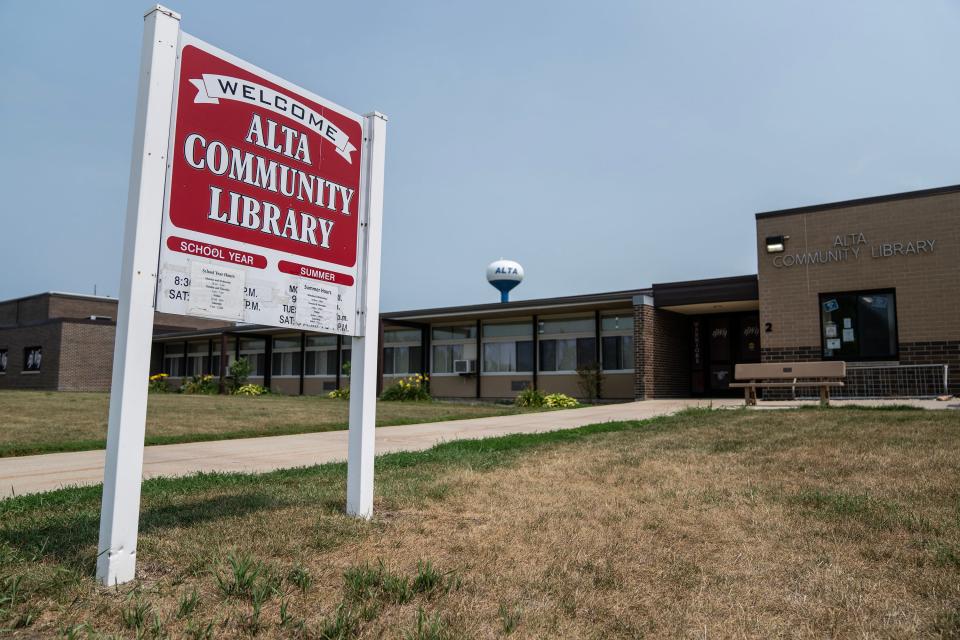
61 294
842 204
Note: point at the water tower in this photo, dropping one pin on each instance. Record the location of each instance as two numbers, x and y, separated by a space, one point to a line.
504 275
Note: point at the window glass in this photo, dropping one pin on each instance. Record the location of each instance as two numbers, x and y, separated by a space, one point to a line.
321 341
507 330
401 335
173 349
455 333
548 355
286 342
444 355
198 348
617 352
3 360
566 325
32 358
401 360
620 322
500 356
859 326
524 355
286 363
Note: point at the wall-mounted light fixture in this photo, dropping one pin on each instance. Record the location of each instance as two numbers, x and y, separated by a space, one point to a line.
775 243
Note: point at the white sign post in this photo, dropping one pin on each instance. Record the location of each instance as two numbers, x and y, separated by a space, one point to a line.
119 514
363 356
254 200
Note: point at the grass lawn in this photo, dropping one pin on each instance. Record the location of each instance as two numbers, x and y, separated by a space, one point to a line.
45 422
805 523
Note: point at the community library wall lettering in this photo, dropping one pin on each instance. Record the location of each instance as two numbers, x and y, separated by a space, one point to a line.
853 246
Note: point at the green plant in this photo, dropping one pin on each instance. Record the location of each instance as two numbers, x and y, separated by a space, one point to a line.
529 397
590 381
415 387
342 626
346 368
342 394
251 390
560 401
134 616
509 618
300 578
427 628
427 579
205 384
188 604
239 373
158 383
241 577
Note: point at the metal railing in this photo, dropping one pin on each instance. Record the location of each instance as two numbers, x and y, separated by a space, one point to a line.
890 381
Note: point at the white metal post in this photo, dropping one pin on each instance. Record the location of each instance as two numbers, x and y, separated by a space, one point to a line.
364 350
120 511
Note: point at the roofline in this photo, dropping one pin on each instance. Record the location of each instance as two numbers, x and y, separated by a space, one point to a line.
520 305
724 280
61 294
842 204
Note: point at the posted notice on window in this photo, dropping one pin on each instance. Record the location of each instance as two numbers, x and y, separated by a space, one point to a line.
216 291
317 304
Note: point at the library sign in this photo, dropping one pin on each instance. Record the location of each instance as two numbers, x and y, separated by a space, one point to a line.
250 200
261 218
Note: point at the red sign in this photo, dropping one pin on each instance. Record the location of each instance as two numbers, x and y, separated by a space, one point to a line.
259 164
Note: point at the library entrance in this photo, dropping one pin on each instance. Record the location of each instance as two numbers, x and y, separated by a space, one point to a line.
719 342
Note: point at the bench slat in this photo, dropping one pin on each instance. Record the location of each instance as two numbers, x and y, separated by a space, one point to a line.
741 385
790 370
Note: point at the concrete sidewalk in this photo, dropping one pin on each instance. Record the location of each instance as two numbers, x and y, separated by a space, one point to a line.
32 474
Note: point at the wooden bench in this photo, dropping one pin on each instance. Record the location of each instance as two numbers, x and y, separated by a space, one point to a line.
789 374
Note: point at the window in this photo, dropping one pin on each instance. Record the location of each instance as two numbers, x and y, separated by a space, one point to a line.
252 349
617 352
444 355
198 358
574 347
508 356
32 356
286 356
321 354
402 352
859 325
231 352
616 341
401 360
503 352
173 359
450 344
568 354
468 332
3 360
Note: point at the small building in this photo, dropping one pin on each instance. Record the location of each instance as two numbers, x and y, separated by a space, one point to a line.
867 281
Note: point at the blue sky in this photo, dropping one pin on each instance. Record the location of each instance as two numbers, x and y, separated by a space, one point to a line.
603 145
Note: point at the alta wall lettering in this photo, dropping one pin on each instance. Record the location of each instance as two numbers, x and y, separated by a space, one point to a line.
854 246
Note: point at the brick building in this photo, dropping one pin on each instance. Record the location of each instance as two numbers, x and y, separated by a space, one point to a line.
64 341
868 281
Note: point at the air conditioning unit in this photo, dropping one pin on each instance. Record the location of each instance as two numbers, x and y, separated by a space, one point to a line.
464 367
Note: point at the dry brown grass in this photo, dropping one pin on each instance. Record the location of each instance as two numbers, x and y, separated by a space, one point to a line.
44 422
839 523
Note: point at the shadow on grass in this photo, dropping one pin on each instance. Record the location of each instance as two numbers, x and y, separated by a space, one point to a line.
71 538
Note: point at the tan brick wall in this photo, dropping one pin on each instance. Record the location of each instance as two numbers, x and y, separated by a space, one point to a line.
925 282
14 340
64 307
86 356
661 343
926 308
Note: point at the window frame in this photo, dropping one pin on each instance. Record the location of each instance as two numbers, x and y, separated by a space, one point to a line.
574 336
622 332
463 342
4 361
511 339
861 292
26 350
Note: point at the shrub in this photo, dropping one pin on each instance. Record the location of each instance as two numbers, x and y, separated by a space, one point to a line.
201 384
158 383
591 381
239 373
342 394
560 401
415 387
251 390
529 397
